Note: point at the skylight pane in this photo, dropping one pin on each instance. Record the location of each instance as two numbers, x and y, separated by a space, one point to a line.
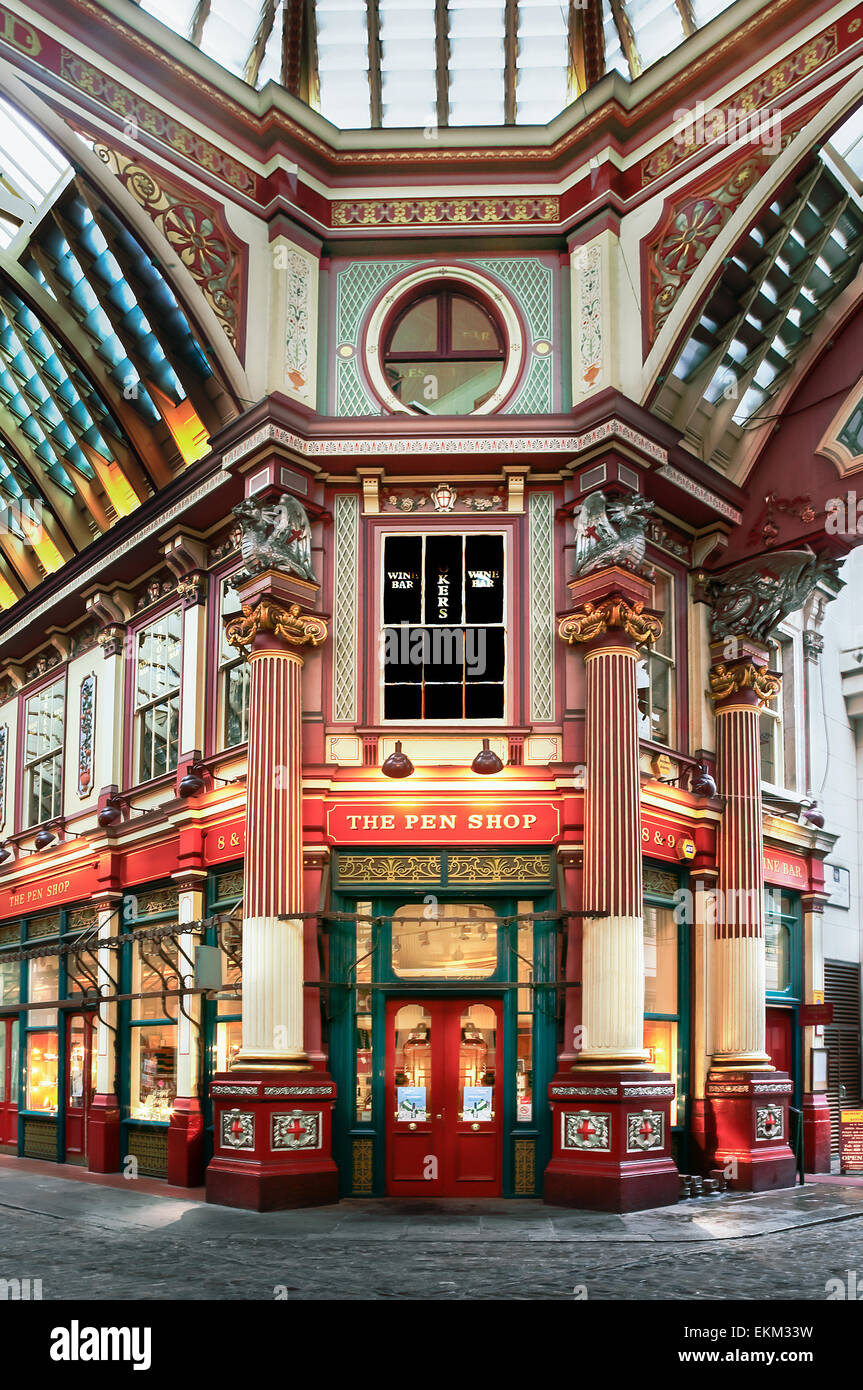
476 66
658 28
615 59
542 64
271 63
343 62
28 160
408 79
177 14
705 10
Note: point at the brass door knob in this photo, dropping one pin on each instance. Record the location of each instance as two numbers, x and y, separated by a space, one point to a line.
474 1125
438 1117
412 1125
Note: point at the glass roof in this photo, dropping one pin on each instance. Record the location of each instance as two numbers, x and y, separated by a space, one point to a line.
421 63
99 393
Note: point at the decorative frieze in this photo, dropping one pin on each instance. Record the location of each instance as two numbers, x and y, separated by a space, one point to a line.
563 1091
324 1092
389 868
497 868
234 1090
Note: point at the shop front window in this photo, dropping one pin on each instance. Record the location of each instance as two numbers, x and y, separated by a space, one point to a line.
477 1064
43 983
661 1006
154 1071
155 966
12 1034
524 1039
10 981
413 1060
457 941
779 918
42 1057
229 1041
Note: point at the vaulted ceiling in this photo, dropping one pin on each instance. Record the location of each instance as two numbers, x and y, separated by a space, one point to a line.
106 392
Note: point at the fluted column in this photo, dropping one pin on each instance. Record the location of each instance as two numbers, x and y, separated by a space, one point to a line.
611 631
739 688
273 637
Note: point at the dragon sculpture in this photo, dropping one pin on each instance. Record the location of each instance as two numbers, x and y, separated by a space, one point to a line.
275 537
611 532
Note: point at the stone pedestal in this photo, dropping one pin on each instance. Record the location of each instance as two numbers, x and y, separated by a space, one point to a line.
273 1140
816 1133
611 1135
750 1128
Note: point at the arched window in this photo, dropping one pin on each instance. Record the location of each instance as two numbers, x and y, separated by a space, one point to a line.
444 354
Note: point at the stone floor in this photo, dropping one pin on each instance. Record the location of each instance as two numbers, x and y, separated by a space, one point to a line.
94 1241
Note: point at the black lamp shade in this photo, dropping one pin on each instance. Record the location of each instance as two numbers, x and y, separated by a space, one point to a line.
486 761
398 764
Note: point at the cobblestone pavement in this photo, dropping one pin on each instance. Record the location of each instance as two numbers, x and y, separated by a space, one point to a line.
86 1241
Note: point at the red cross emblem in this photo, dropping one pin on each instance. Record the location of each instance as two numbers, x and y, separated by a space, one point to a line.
646 1128
295 1129
585 1129
769 1120
236 1127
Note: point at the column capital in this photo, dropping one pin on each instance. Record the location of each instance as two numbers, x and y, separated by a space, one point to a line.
620 611
743 679
271 626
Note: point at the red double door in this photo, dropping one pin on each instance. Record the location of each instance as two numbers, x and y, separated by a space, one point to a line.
444 1097
8 1081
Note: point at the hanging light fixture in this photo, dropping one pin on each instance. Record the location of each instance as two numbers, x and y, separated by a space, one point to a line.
398 764
111 813
192 784
486 760
44 837
6 851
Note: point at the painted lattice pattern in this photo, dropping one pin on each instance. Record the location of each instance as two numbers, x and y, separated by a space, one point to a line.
535 397
356 287
346 524
352 398
541 541
533 283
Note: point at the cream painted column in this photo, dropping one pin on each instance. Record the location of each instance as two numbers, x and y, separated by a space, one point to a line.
190 908
611 628
738 1021
273 637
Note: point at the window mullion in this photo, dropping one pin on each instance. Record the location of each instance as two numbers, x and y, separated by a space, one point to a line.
373 24
442 60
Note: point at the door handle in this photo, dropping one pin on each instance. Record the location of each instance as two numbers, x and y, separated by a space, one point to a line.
440 1116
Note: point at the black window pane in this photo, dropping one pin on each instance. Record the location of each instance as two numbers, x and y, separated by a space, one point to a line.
443 702
485 652
404 653
445 655
402 702
402 579
484 701
484 579
443 579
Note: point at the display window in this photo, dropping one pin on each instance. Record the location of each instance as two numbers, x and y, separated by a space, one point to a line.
663 1007
154 1071
43 983
444 941
10 981
41 1077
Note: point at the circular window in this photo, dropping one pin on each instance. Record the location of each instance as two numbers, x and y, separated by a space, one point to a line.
443 342
444 354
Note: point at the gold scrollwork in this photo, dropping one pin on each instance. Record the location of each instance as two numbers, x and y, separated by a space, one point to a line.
362 1175
390 868
743 675
292 625
594 620
524 1167
498 868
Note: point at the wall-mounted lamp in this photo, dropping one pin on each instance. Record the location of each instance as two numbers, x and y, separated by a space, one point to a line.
486 761
45 837
7 851
192 783
398 764
112 812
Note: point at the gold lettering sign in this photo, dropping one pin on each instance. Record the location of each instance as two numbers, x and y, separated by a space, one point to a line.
18 34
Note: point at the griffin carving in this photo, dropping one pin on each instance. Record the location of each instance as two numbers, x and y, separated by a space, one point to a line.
753 597
611 532
276 537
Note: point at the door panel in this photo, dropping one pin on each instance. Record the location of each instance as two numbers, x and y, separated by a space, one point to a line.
79 1082
8 1081
778 1041
444 1101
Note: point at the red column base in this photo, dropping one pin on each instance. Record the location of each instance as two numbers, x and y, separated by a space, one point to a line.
816 1134
750 1128
103 1135
186 1144
611 1141
273 1140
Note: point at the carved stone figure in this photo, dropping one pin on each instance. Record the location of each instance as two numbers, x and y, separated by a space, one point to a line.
753 597
276 537
611 532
